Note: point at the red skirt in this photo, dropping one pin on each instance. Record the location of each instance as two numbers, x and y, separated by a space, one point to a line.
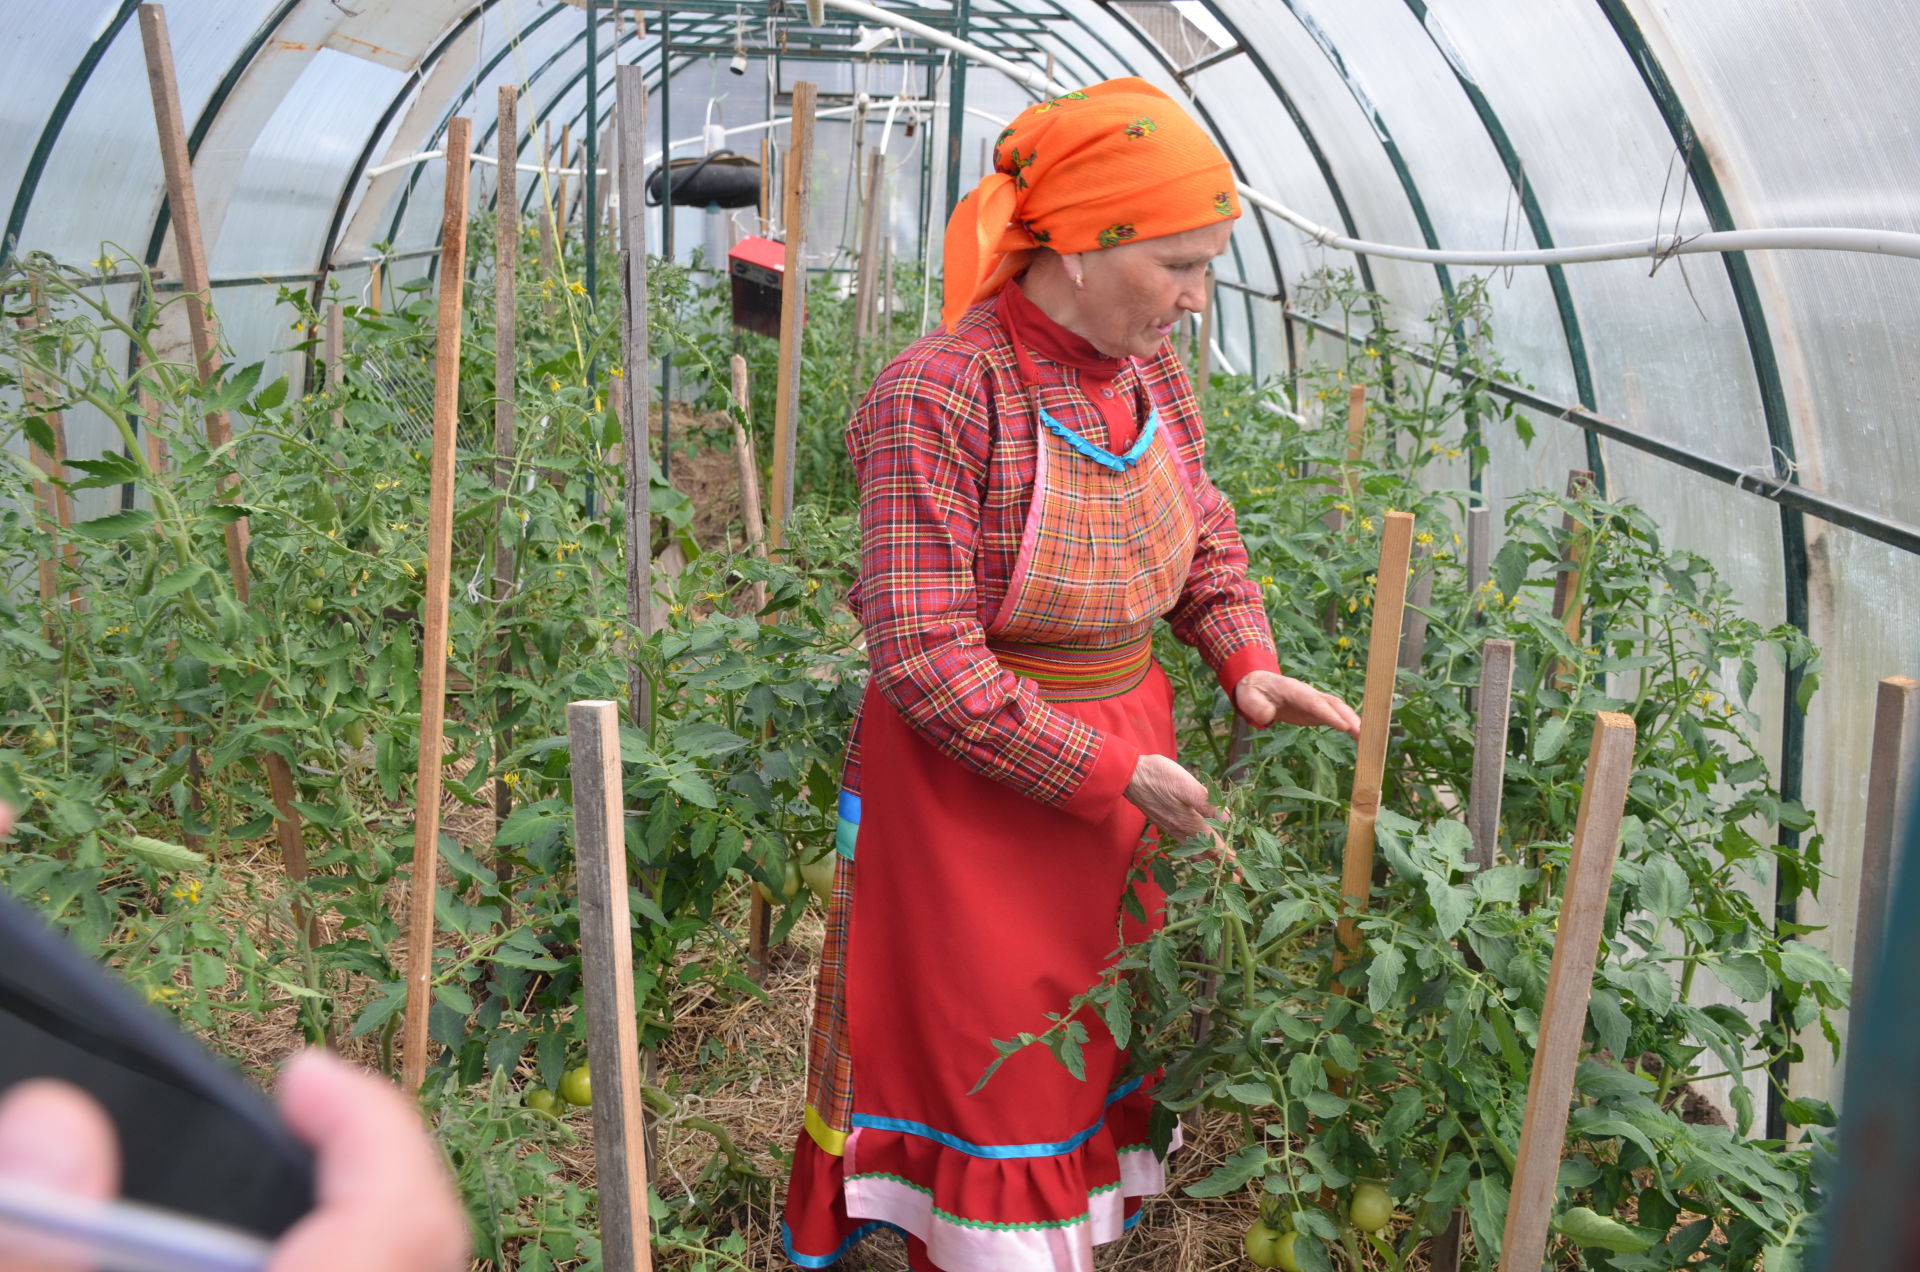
969 913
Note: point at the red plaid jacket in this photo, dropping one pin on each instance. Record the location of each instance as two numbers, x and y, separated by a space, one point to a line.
944 453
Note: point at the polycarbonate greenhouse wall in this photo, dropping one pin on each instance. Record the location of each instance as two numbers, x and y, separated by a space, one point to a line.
1459 124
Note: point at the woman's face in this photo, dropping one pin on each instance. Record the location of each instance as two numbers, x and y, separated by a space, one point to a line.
1135 293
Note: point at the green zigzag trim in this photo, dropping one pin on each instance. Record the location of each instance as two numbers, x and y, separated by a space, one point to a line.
986 1225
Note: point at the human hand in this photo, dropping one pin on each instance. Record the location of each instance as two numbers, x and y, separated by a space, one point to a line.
382 1200
54 1136
1267 696
1173 799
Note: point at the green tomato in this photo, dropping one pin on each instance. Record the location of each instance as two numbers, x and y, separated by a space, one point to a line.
790 885
1371 1209
818 876
541 1098
355 734
576 1087
1268 1247
314 604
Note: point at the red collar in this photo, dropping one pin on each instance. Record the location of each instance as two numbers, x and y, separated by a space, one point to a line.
1031 329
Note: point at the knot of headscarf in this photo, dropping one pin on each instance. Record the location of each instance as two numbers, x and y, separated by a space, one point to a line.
1114 163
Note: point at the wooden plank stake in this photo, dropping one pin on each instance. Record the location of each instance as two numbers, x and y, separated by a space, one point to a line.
749 474
1356 447
636 448
759 913
373 287
603 189
606 970
766 181
433 643
560 217
1891 784
336 347
56 505
1479 553
1490 750
793 299
193 258
1376 721
506 393
864 306
196 293
152 418
886 295
1566 584
1413 638
1576 946
544 217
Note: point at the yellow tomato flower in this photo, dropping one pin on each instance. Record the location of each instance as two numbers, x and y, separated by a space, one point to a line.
577 289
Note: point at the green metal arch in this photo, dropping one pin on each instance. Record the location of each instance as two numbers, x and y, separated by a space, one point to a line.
1542 235
210 114
1779 422
56 122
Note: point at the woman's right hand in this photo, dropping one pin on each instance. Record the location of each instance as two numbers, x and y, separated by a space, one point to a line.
1174 800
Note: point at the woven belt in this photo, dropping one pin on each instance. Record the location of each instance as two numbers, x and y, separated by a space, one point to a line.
1077 675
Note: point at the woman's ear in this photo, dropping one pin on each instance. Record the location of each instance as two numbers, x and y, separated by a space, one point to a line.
1074 263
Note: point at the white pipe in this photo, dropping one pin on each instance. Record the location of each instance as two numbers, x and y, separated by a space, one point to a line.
1881 242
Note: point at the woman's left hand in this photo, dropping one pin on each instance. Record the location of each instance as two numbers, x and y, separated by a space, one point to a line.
1265 697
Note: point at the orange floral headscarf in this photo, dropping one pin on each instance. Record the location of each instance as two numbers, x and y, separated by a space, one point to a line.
1114 163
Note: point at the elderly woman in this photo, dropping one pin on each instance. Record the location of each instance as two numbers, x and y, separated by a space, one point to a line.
1032 502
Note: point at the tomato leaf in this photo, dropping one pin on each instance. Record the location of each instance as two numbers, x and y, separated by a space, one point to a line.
1585 1227
158 852
1233 1175
118 525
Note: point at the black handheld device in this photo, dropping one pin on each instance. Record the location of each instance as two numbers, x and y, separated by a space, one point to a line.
195 1136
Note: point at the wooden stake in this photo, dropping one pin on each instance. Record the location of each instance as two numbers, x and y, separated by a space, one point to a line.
544 217
1566 584
603 186
863 305
193 258
158 454
1575 949
560 217
1479 551
766 181
886 294
196 295
56 505
1376 721
606 970
1356 447
373 287
1479 540
749 474
336 346
793 299
506 403
759 913
1413 637
433 645
1891 784
636 442
1490 750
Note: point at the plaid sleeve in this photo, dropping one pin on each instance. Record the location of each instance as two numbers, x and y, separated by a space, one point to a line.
921 444
1220 611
